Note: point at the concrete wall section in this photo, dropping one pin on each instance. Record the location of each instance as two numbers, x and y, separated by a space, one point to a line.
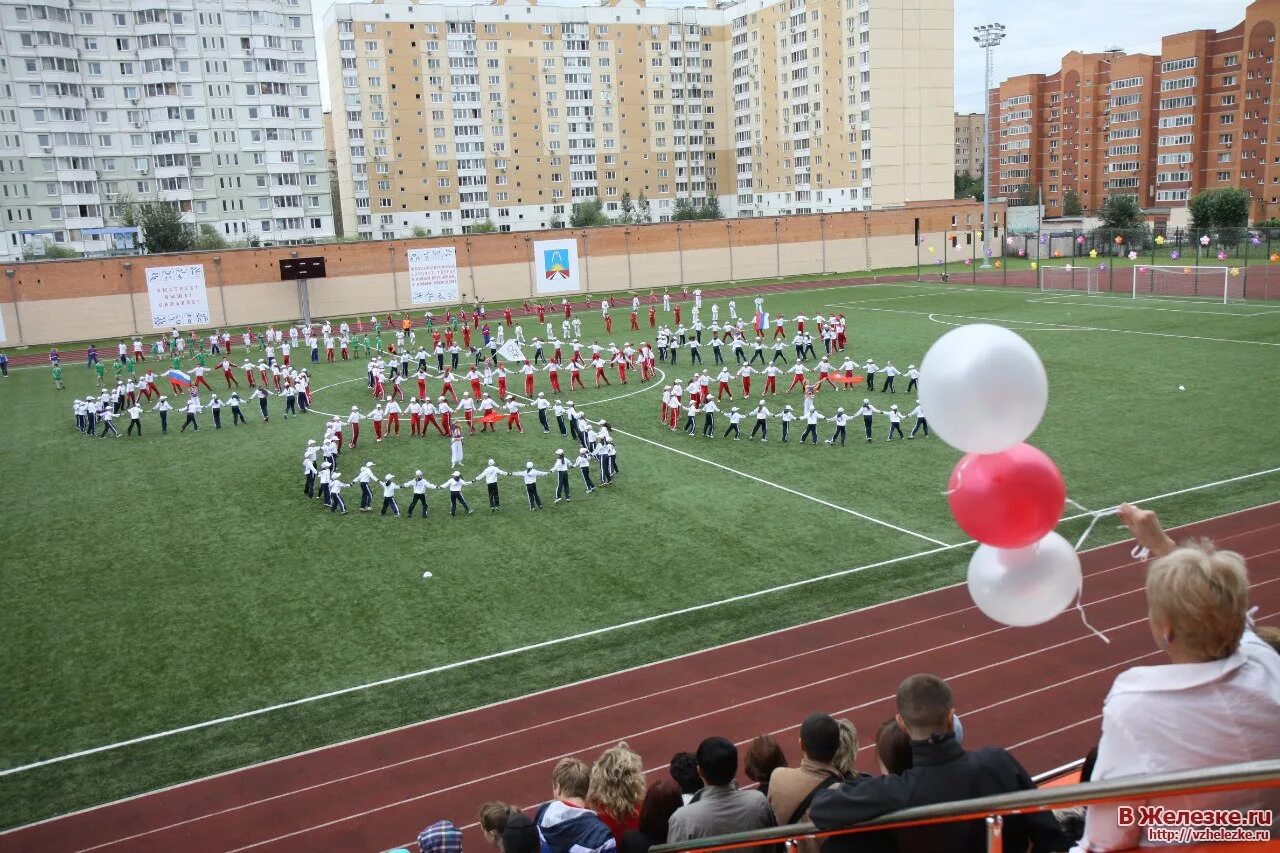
74 300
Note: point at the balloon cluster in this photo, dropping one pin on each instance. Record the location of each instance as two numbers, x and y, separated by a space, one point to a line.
985 390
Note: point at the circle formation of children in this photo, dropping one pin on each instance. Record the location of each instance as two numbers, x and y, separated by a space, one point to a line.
322 478
809 371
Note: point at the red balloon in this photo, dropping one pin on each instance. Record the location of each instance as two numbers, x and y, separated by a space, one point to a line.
1009 499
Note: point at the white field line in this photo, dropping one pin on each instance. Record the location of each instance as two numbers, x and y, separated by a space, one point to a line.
607 629
1063 326
780 487
1112 306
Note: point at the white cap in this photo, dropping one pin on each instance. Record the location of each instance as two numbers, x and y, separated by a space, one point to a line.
388 478
865 400
417 473
893 407
540 394
310 441
457 473
368 464
528 464
491 462
560 452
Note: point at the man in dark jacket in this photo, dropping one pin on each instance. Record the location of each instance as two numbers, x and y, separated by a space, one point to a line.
942 772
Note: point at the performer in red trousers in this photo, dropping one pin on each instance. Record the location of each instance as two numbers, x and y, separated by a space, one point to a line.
553 374
354 420
771 379
527 369
513 414
635 321
474 379
744 373
501 373
653 317
447 379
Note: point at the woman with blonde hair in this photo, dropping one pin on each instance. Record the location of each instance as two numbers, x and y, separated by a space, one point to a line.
616 789
1213 703
847 752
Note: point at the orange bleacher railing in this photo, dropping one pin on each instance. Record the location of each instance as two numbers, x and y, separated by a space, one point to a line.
992 810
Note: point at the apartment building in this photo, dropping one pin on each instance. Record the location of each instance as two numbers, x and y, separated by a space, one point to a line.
213 107
1204 113
968 128
446 116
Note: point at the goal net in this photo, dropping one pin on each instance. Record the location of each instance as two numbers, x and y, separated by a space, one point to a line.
1070 278
1214 283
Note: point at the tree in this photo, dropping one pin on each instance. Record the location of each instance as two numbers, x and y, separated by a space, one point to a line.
643 214
682 211
628 216
1071 204
53 252
1028 194
485 226
711 209
968 186
162 227
209 239
556 222
1120 212
418 231
1223 211
587 214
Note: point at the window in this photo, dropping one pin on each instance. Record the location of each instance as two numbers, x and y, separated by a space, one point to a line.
1178 65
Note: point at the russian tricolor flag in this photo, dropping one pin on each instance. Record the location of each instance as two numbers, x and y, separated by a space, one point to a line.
760 322
177 376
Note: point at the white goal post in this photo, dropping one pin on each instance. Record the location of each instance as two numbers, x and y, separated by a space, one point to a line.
1069 278
1214 283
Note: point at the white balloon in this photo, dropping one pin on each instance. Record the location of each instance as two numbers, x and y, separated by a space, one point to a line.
1025 586
984 387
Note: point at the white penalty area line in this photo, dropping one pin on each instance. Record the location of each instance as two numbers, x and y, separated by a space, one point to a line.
1114 304
781 487
607 629
1051 326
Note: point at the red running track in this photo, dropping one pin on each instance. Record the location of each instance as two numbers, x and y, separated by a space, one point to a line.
1037 691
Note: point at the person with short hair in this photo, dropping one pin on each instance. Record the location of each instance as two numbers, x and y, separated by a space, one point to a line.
721 807
566 824
1216 700
684 770
792 789
943 772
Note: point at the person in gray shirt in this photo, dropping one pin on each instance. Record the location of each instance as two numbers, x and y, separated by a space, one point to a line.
720 807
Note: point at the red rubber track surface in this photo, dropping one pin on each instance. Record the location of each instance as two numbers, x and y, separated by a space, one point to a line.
1038 691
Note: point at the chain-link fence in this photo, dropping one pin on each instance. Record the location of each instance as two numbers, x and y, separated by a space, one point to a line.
1252 256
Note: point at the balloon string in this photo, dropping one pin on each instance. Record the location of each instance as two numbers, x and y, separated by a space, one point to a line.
1094 517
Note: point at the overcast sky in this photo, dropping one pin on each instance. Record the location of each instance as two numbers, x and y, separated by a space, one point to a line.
1040 32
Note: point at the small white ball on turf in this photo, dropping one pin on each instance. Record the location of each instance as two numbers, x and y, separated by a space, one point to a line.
426 574
1182 387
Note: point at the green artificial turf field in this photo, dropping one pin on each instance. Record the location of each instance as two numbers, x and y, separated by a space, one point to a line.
161 582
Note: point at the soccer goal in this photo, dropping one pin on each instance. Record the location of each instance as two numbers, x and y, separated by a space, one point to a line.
1069 278
1214 283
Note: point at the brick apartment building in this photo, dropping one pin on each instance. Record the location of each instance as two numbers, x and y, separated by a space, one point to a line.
1204 113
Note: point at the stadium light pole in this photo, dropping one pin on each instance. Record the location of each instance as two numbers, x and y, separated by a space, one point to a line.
988 36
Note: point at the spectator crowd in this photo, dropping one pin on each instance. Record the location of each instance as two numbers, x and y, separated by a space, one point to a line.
1216 702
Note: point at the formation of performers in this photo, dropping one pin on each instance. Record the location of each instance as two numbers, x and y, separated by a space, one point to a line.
322 478
97 414
700 404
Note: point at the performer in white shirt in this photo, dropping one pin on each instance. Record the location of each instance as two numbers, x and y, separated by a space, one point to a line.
921 421
889 372
531 476
560 467
366 479
913 378
419 487
490 476
895 422
389 486
841 420
867 411
454 484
